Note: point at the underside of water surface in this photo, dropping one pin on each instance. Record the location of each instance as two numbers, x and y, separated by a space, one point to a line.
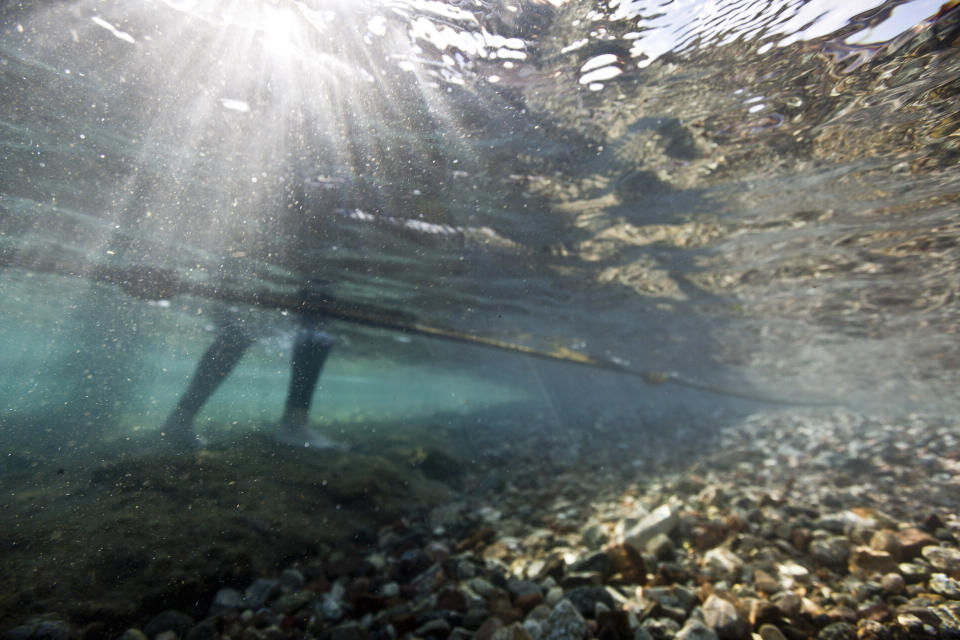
572 233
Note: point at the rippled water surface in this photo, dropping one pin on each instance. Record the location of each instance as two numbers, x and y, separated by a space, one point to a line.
751 198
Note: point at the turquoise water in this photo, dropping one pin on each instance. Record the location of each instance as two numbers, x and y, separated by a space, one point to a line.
735 202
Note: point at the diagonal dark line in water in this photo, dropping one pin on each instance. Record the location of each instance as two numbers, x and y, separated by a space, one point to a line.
160 284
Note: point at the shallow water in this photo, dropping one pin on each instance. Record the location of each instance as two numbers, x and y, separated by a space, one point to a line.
688 211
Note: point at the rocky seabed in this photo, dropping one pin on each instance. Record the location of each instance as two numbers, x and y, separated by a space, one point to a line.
820 524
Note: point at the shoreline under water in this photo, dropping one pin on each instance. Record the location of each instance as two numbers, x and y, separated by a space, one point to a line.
788 523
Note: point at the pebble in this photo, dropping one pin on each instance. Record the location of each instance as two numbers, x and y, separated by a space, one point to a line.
565 623
943 559
770 632
830 552
169 620
723 564
661 520
893 583
723 617
945 586
838 631
696 630
865 561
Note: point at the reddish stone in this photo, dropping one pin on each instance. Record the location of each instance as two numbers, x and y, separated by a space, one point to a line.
800 538
912 540
736 523
707 535
626 561
528 601
865 561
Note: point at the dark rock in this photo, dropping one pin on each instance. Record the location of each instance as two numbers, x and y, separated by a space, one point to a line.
260 592
672 573
515 631
473 618
838 631
830 552
585 599
614 625
661 628
170 620
292 580
227 600
598 562
290 602
627 562
581 579
519 588
676 596
41 629
487 629
349 631
452 600
565 623
437 628
764 612
205 630
411 563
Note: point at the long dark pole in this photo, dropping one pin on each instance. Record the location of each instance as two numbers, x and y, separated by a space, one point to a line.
160 284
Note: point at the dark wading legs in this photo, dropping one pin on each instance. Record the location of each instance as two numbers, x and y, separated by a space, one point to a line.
214 367
310 351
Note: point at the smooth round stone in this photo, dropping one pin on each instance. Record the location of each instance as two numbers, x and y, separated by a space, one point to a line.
893 583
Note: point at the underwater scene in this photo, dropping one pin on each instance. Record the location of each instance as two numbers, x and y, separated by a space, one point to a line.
479 319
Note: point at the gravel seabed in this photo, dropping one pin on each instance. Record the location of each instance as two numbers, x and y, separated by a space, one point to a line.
820 523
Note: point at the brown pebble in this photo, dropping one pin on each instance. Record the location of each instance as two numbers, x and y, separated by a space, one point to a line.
878 612
528 601
887 541
764 582
706 535
626 561
789 604
764 612
479 537
865 561
800 538
912 540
